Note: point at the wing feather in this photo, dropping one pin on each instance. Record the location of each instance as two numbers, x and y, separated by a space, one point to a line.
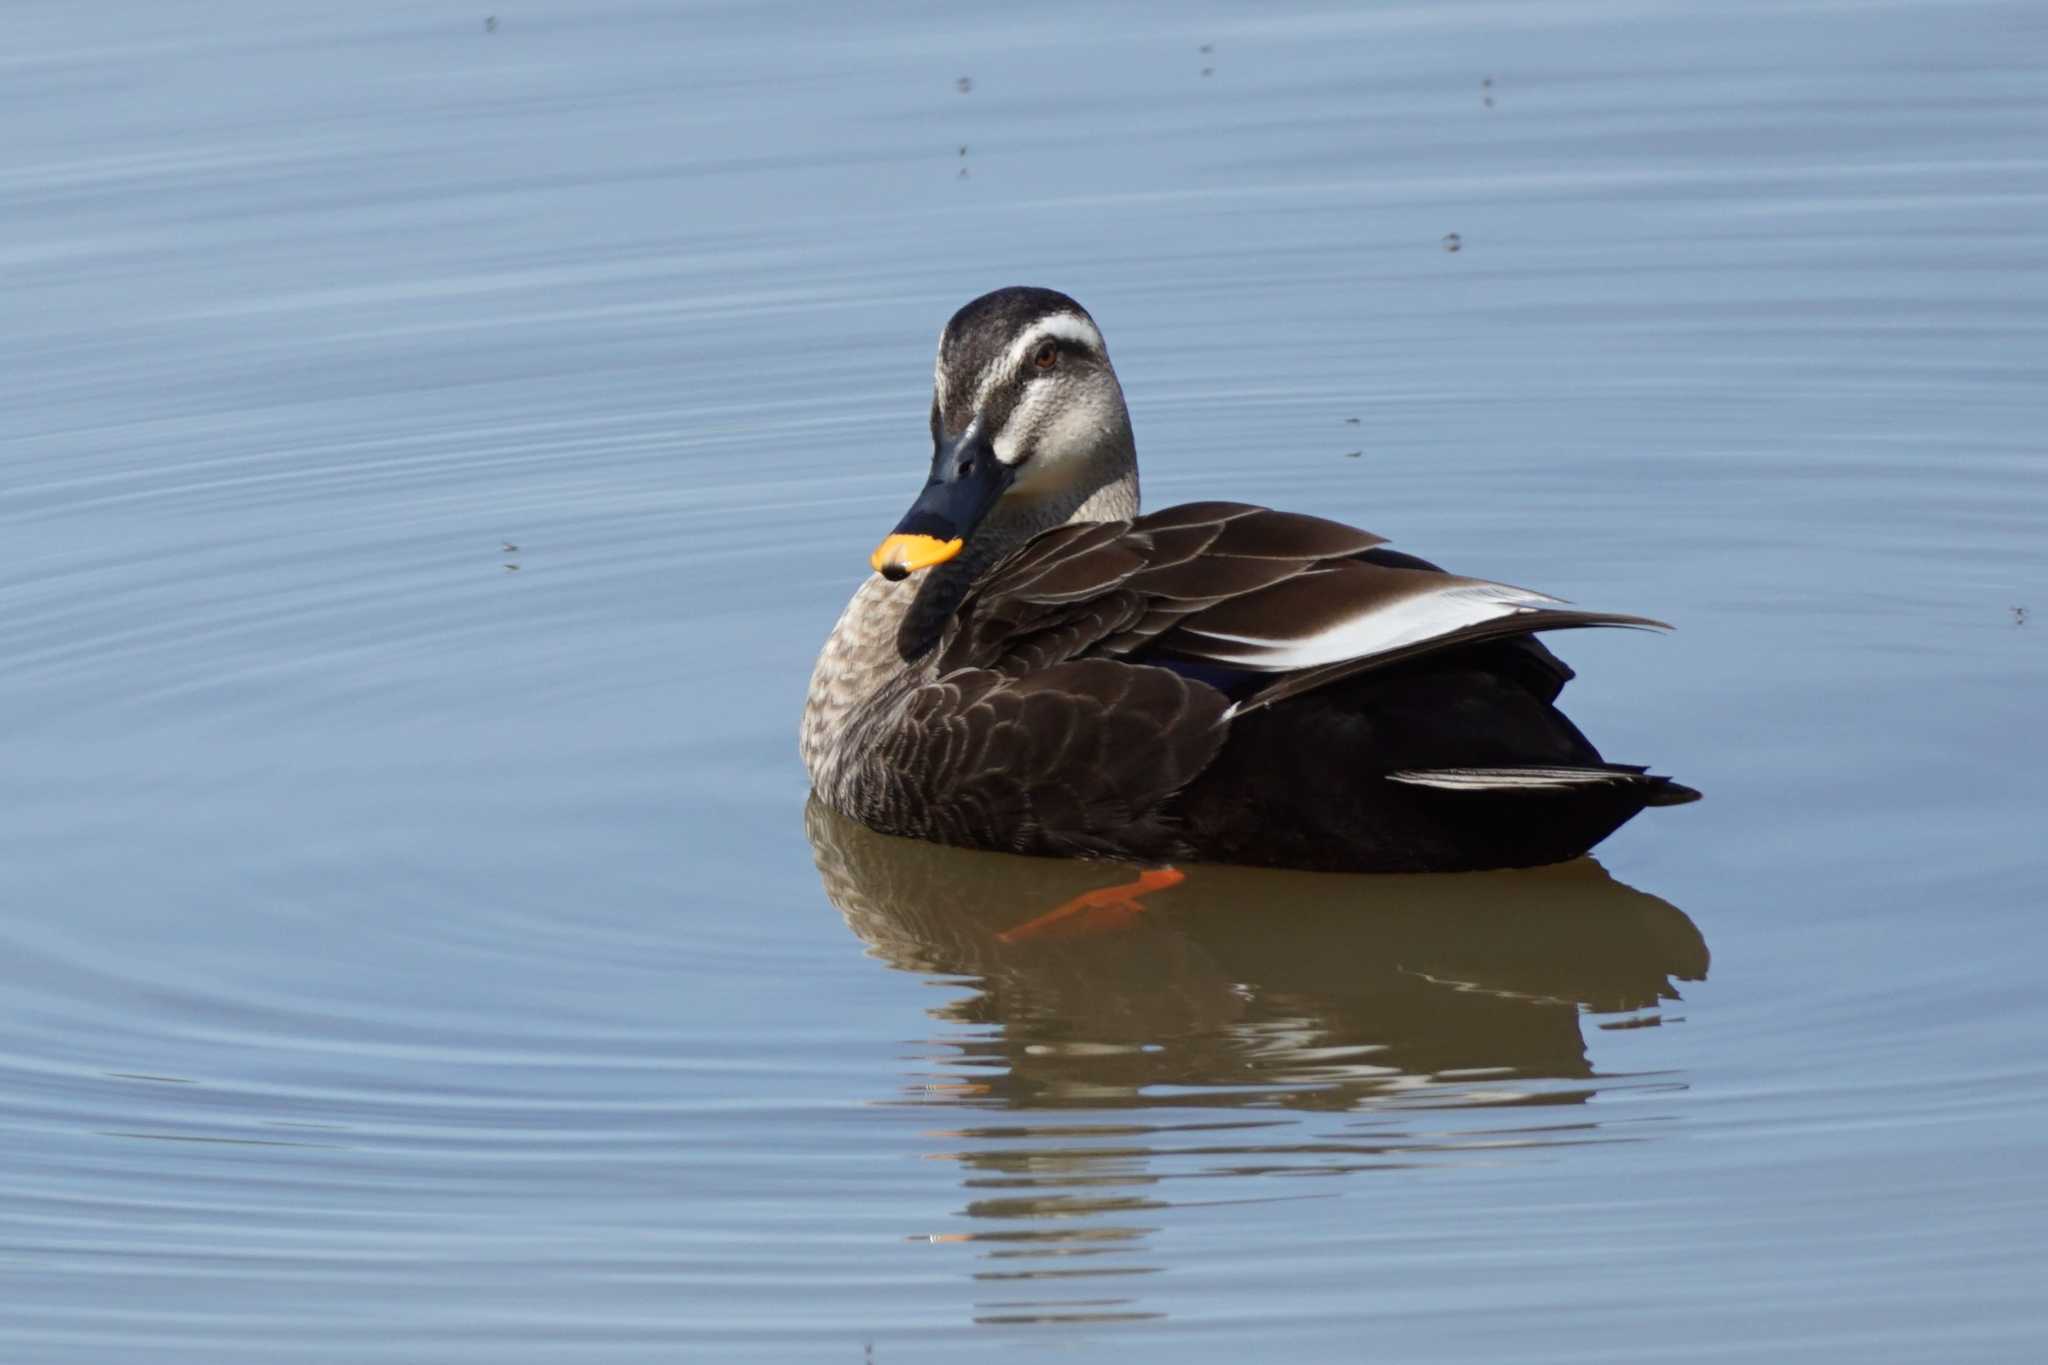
1299 598
1290 535
1212 514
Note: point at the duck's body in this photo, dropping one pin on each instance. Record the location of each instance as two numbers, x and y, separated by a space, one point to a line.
1213 682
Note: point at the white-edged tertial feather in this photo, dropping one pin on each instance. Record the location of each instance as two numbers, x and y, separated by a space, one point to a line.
1542 779
1512 779
1377 624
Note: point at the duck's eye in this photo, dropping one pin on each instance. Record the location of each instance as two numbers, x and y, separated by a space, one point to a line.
1046 356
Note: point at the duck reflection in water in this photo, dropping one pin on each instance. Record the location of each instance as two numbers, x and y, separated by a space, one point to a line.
1224 1027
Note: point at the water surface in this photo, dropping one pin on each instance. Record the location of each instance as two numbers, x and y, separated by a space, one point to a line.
435 454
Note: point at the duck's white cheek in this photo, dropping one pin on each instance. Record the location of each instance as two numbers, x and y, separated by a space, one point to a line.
1054 430
1038 477
1074 428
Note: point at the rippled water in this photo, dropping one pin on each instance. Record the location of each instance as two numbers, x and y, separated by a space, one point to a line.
435 453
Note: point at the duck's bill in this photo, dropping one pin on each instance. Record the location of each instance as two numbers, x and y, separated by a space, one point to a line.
900 555
966 481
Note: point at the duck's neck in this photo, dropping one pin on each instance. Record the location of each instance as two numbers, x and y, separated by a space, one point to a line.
888 626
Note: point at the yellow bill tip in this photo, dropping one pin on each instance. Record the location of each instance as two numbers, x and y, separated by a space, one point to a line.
900 556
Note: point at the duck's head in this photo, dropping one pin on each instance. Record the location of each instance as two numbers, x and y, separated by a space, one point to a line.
1028 425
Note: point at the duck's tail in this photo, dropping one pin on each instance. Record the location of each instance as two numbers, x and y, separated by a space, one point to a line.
1656 790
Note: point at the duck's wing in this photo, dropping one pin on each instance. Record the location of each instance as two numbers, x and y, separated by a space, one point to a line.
1270 604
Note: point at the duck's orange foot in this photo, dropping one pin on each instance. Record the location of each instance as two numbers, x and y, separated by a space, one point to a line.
1092 912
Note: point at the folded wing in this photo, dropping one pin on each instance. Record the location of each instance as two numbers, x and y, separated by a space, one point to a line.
1282 601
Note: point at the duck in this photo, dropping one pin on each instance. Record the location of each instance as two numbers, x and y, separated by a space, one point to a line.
1037 666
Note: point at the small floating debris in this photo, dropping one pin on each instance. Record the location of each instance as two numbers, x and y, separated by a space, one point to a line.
1453 242
1350 421
2019 616
1353 454
490 23
1486 92
965 85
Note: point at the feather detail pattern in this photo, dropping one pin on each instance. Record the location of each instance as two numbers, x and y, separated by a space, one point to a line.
1092 676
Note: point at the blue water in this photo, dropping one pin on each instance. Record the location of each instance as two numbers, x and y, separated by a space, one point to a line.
434 454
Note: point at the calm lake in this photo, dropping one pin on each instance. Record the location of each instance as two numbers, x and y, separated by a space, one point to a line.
437 442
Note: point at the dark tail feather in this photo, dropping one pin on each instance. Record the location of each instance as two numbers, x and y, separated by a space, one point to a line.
1525 815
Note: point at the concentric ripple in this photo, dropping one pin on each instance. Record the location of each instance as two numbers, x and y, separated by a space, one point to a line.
433 453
